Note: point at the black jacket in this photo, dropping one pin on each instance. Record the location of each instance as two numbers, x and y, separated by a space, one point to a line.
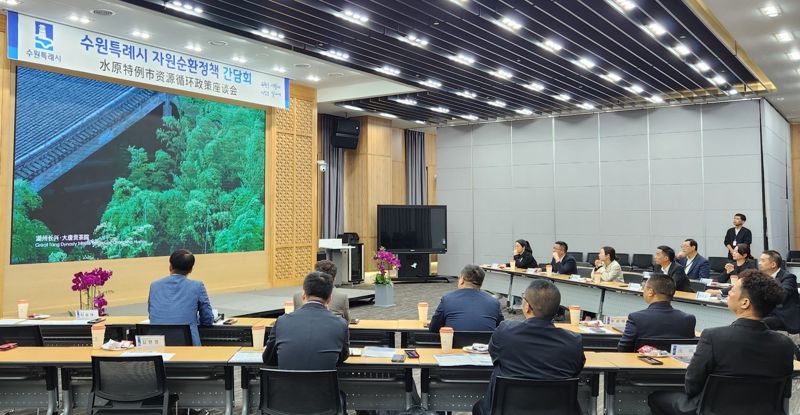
524 260
744 237
748 264
788 313
567 265
311 338
659 321
679 276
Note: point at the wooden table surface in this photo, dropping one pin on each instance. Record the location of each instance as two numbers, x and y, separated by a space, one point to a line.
42 356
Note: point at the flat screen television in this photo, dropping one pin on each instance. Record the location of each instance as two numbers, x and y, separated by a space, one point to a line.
405 229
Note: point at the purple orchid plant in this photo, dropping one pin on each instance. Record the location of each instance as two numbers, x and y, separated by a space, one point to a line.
88 285
384 261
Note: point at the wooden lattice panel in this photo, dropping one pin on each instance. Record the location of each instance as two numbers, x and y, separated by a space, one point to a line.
284 189
304 182
304 117
284 263
284 119
303 256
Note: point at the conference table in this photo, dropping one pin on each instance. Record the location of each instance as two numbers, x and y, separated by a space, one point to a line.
607 298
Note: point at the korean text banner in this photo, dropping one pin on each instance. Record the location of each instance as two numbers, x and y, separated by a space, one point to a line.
42 42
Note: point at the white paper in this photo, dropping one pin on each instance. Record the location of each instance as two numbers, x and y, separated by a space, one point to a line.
246 357
445 360
10 321
165 356
597 330
53 322
371 351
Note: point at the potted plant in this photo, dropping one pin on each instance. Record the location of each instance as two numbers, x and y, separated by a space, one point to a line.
89 285
386 262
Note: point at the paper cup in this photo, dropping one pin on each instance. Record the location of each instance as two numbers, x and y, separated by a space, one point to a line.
98 335
288 306
258 335
596 277
446 338
548 269
22 309
512 264
422 311
574 314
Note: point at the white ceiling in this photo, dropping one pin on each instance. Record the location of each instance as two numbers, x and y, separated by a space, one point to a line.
337 83
755 34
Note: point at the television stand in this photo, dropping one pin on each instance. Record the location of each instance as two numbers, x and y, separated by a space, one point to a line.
415 267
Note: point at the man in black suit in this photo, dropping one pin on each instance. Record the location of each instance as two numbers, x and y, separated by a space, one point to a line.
659 320
561 262
746 348
311 338
534 348
665 258
786 316
738 234
467 308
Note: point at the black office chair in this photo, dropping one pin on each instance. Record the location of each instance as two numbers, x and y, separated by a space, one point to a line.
129 384
174 334
467 338
631 277
643 262
794 256
577 255
591 257
624 260
21 335
662 344
300 392
514 396
717 263
732 395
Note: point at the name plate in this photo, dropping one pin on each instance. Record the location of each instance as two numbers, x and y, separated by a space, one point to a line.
706 281
635 286
575 277
703 296
683 349
495 266
150 342
532 270
86 314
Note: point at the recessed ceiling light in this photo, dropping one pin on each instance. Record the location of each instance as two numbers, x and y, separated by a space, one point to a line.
405 101
239 59
431 83
194 48
10 2
467 94
441 110
680 50
612 77
501 73
732 91
198 10
352 16
701 66
462 58
279 69
352 107
184 7
770 10
794 55
654 29
414 40
535 86
550 46
586 106
584 63
387 115
388 70
496 103
655 99
562 97
335 54
419 121
623 5
271 34
469 117
523 111
219 43
79 19
140 34
784 36
718 80
510 24
312 78
636 89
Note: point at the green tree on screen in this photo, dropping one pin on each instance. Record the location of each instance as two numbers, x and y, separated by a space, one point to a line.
25 229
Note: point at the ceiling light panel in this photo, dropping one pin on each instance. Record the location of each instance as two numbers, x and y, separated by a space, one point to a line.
352 16
462 59
510 24
405 101
784 36
352 107
441 110
550 46
271 34
431 83
335 54
388 70
501 73
770 10
414 40
467 94
535 86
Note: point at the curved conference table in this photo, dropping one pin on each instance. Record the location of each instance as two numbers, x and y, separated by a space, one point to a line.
607 298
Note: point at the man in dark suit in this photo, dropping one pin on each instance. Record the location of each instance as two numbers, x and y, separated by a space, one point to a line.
311 338
467 308
659 320
561 262
665 258
786 316
175 299
534 348
738 234
746 348
695 266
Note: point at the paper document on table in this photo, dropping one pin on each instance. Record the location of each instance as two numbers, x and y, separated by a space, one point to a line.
246 357
463 360
597 330
165 356
371 351
53 322
10 321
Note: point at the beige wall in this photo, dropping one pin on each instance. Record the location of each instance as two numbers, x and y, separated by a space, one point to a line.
795 146
291 193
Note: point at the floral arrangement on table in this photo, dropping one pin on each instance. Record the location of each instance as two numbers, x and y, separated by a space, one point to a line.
89 285
384 261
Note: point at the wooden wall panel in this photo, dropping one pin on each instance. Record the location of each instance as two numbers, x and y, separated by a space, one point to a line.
795 146
430 164
399 189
